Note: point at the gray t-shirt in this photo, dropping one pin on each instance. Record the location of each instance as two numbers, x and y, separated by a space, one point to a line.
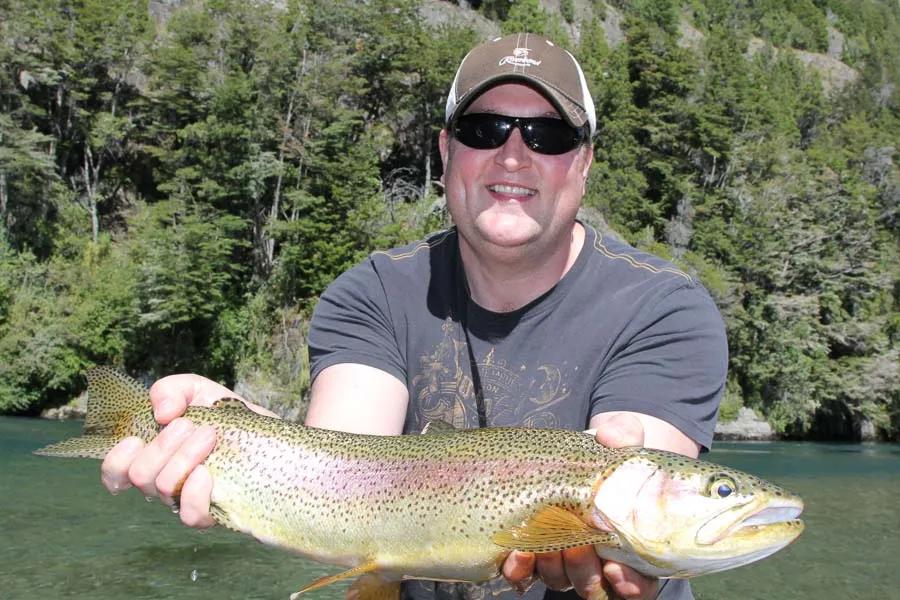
623 330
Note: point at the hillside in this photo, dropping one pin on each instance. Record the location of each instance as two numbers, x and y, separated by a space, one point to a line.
180 180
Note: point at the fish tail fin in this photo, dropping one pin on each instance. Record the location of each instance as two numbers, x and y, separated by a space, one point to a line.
118 407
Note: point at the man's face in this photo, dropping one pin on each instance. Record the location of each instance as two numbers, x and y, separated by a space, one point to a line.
511 200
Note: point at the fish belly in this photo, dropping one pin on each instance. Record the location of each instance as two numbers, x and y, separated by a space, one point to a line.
392 504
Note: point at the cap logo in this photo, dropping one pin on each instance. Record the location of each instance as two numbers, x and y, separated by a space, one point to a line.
519 58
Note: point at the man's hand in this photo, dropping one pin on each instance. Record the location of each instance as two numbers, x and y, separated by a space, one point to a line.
172 459
581 568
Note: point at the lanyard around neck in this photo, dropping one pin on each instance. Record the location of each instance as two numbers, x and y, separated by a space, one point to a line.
464 302
473 371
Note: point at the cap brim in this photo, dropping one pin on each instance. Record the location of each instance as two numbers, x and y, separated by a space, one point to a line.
568 110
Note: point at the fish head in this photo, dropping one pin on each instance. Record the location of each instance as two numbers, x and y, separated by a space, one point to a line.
680 517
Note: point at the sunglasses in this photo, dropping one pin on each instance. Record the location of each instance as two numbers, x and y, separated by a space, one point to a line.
544 135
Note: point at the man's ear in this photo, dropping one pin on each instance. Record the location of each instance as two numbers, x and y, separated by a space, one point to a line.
444 146
588 160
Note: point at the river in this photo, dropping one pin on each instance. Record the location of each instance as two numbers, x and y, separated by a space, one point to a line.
63 536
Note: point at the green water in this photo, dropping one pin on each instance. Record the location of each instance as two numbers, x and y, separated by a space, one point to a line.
63 536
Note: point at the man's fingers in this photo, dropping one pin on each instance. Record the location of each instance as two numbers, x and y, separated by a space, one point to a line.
620 430
153 457
518 569
628 583
583 569
114 470
552 572
189 455
194 501
171 396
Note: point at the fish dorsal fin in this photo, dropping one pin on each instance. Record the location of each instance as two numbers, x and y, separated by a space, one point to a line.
230 404
552 529
438 426
329 579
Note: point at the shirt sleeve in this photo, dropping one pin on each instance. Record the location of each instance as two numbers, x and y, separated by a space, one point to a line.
352 324
671 364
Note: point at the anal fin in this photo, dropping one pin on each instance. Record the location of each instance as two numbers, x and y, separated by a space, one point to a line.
329 579
552 529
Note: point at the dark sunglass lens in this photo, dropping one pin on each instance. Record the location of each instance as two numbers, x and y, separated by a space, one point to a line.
545 135
551 136
482 131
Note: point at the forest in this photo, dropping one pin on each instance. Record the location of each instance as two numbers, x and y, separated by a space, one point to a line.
181 179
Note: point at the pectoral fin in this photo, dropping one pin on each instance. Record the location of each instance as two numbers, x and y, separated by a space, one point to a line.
373 587
328 580
552 529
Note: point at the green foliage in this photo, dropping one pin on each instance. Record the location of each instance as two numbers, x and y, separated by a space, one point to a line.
732 402
57 318
175 197
661 13
798 24
495 9
28 186
529 16
567 10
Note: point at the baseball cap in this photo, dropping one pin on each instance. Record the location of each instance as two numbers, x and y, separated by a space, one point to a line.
529 58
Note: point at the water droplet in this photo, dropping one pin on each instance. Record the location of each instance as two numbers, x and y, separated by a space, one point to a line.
195 548
175 510
148 498
194 575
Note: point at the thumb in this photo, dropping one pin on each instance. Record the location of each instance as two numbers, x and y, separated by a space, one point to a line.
170 397
617 430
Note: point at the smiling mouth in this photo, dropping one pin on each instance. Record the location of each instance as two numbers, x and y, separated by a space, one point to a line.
512 190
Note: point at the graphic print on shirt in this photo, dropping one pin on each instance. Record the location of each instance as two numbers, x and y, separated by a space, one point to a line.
514 394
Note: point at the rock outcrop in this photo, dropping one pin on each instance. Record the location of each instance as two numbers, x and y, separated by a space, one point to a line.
76 409
747 426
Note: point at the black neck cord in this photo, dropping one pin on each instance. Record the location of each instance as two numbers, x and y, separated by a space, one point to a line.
464 302
476 378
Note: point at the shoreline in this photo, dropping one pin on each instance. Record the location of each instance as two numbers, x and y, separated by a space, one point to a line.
747 427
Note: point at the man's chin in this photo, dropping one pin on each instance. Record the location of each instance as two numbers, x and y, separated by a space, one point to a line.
510 241
508 231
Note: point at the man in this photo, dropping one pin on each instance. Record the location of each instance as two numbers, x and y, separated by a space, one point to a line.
518 315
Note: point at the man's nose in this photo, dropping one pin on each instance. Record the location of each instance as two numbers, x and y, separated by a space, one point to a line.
514 154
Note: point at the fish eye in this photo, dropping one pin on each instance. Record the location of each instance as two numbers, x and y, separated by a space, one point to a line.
722 486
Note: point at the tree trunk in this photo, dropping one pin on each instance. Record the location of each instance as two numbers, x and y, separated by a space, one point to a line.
4 202
276 199
426 191
4 198
90 174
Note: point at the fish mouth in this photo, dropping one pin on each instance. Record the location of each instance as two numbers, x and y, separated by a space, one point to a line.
772 515
780 519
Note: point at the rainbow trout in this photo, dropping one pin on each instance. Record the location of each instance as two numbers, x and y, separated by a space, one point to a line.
450 504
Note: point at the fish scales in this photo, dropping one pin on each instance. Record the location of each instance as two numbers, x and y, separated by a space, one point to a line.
428 497
451 504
